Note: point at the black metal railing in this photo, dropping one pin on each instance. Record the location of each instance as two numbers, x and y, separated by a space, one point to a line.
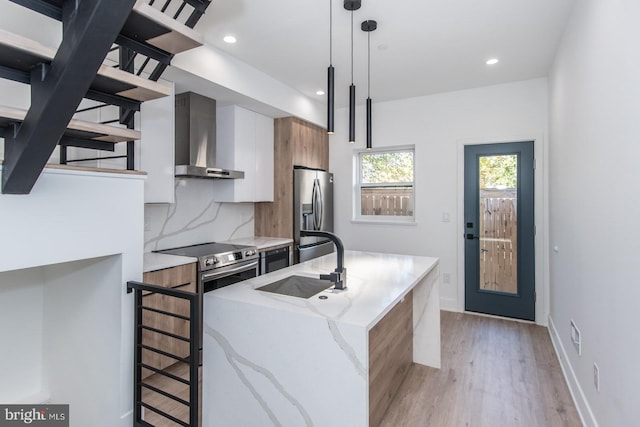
142 290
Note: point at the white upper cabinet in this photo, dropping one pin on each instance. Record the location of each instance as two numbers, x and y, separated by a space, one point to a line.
157 148
245 143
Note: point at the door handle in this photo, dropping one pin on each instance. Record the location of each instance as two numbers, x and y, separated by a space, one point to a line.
317 205
472 236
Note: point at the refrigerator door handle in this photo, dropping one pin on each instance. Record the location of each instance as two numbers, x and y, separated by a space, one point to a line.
317 205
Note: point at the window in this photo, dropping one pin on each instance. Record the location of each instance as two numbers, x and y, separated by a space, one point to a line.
385 184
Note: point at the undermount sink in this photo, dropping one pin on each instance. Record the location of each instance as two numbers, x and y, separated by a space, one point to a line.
297 286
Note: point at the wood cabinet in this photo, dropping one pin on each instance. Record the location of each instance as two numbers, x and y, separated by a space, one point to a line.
182 277
296 143
244 142
157 148
310 145
390 357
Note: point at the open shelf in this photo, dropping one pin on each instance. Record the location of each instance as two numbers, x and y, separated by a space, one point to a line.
21 54
78 129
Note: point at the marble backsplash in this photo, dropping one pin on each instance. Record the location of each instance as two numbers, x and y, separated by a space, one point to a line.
195 218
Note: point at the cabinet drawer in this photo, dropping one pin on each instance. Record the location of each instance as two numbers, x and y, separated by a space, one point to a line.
174 277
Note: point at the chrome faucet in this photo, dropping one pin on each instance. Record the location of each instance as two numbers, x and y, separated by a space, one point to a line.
339 276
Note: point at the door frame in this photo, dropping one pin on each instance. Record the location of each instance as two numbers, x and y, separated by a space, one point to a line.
541 220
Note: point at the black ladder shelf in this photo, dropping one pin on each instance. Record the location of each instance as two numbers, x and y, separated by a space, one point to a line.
113 52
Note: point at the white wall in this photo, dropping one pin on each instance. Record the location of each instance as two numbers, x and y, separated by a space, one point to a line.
70 216
218 68
594 206
82 302
21 303
437 125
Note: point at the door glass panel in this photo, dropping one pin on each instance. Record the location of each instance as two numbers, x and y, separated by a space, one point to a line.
498 223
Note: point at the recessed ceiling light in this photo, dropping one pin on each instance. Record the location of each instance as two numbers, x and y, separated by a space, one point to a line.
493 61
320 92
229 39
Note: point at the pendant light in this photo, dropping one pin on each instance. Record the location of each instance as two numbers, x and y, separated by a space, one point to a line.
369 26
330 75
352 5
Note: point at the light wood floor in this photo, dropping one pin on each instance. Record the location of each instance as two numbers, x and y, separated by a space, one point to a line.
494 373
166 404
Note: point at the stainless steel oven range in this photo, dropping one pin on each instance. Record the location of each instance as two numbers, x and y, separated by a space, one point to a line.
219 265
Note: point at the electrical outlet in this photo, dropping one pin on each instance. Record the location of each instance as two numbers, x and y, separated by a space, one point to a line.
446 278
575 338
446 217
596 376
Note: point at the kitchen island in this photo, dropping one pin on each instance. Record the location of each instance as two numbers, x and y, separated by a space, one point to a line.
271 359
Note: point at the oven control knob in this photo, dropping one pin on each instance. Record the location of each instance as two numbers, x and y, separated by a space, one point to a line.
250 252
211 261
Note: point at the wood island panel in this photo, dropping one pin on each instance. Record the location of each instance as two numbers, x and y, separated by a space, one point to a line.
390 357
182 277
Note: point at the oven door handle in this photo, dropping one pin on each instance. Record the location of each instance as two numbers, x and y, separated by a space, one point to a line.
246 267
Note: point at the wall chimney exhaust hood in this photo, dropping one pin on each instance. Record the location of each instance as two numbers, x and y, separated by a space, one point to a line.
196 138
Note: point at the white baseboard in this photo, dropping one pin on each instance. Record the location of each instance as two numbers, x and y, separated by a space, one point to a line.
449 304
579 399
126 420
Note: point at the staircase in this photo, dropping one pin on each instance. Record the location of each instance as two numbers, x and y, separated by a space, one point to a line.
112 54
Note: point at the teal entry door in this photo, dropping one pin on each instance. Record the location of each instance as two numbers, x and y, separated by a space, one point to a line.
499 230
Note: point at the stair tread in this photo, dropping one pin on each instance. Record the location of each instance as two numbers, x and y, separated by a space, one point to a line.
25 53
150 25
76 128
176 37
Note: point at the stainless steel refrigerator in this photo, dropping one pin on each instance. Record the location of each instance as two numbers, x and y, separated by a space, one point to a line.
312 210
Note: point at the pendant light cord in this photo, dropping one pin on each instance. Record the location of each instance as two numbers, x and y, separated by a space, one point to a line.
352 47
369 64
330 32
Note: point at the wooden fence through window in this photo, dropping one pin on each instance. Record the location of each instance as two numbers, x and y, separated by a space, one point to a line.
498 240
387 201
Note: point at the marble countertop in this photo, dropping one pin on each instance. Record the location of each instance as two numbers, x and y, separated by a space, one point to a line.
262 242
153 261
375 283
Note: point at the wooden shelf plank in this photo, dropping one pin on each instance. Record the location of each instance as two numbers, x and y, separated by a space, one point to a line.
77 128
149 25
143 90
176 38
89 169
21 53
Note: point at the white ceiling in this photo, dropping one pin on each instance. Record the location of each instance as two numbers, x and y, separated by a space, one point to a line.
420 47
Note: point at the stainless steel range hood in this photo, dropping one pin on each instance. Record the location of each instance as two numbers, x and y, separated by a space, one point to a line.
196 138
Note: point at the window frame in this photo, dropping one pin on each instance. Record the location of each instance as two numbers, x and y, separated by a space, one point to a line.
359 185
